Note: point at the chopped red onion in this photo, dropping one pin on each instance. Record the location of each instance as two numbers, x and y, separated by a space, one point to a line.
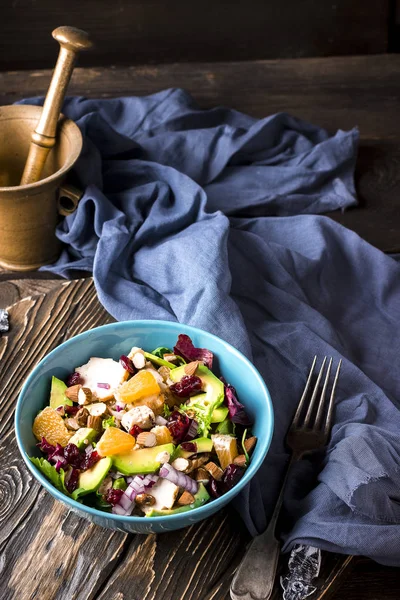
61 410
89 449
105 386
184 481
118 510
126 502
119 405
159 420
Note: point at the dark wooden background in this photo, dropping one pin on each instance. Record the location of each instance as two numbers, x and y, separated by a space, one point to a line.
154 31
217 49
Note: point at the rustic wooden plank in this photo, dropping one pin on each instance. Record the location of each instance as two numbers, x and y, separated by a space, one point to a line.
12 290
336 93
142 32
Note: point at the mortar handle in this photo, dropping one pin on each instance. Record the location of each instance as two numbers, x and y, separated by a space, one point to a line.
71 42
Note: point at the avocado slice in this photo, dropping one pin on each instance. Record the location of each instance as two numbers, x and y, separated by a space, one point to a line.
225 427
203 444
83 437
57 393
205 403
90 480
140 461
219 414
120 484
200 498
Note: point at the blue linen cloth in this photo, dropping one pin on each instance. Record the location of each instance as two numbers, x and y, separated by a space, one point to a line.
211 218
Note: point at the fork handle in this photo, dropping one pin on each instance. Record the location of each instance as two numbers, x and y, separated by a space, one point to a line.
255 577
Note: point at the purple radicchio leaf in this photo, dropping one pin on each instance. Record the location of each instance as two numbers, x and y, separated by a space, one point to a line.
237 413
184 347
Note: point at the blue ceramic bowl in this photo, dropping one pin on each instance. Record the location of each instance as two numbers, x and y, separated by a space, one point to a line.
112 341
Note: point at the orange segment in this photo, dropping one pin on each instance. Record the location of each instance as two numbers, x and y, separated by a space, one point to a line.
139 386
50 425
114 441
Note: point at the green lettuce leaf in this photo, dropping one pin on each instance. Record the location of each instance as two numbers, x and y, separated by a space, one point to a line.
57 479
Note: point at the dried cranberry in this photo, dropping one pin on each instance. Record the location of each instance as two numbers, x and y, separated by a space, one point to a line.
189 384
231 476
127 364
189 446
214 488
89 460
71 480
135 430
74 379
73 456
71 410
178 425
113 496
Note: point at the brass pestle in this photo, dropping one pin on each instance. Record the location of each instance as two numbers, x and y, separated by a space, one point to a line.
71 41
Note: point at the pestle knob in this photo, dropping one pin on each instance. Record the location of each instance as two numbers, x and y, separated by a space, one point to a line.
71 42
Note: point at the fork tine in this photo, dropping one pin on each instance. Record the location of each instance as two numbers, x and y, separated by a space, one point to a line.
304 395
328 421
321 404
314 395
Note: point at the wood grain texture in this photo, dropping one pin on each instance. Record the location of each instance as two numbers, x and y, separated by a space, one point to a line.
149 31
337 93
50 553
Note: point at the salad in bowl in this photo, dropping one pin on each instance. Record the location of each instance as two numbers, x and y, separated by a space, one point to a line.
153 434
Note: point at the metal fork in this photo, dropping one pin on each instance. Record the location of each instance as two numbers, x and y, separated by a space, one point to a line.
254 579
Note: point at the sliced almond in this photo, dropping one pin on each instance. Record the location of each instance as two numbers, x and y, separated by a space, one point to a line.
202 475
214 470
85 396
199 461
240 460
72 424
72 392
172 358
191 368
181 464
250 443
95 423
185 499
81 417
138 360
98 409
146 439
145 500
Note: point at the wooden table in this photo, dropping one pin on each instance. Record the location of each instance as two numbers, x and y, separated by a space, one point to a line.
48 553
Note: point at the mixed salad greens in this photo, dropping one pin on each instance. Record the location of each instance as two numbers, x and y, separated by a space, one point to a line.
153 434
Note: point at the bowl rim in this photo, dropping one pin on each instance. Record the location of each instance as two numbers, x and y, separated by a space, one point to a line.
201 511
